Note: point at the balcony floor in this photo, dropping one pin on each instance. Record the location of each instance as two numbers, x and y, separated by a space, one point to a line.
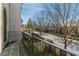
14 49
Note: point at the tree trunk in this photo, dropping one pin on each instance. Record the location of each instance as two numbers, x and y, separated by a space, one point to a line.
40 33
65 42
65 46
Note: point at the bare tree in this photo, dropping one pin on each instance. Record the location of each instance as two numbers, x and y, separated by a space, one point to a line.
76 29
62 16
40 21
29 26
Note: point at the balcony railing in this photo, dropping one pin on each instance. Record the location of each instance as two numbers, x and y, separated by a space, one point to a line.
37 45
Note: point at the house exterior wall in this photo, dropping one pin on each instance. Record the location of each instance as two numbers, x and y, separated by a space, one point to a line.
13 23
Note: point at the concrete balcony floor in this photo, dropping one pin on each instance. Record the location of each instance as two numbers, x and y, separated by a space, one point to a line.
14 49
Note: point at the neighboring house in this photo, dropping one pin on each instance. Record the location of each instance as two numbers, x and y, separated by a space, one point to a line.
10 22
78 30
51 28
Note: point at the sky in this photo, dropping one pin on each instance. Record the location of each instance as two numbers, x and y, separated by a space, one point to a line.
30 10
